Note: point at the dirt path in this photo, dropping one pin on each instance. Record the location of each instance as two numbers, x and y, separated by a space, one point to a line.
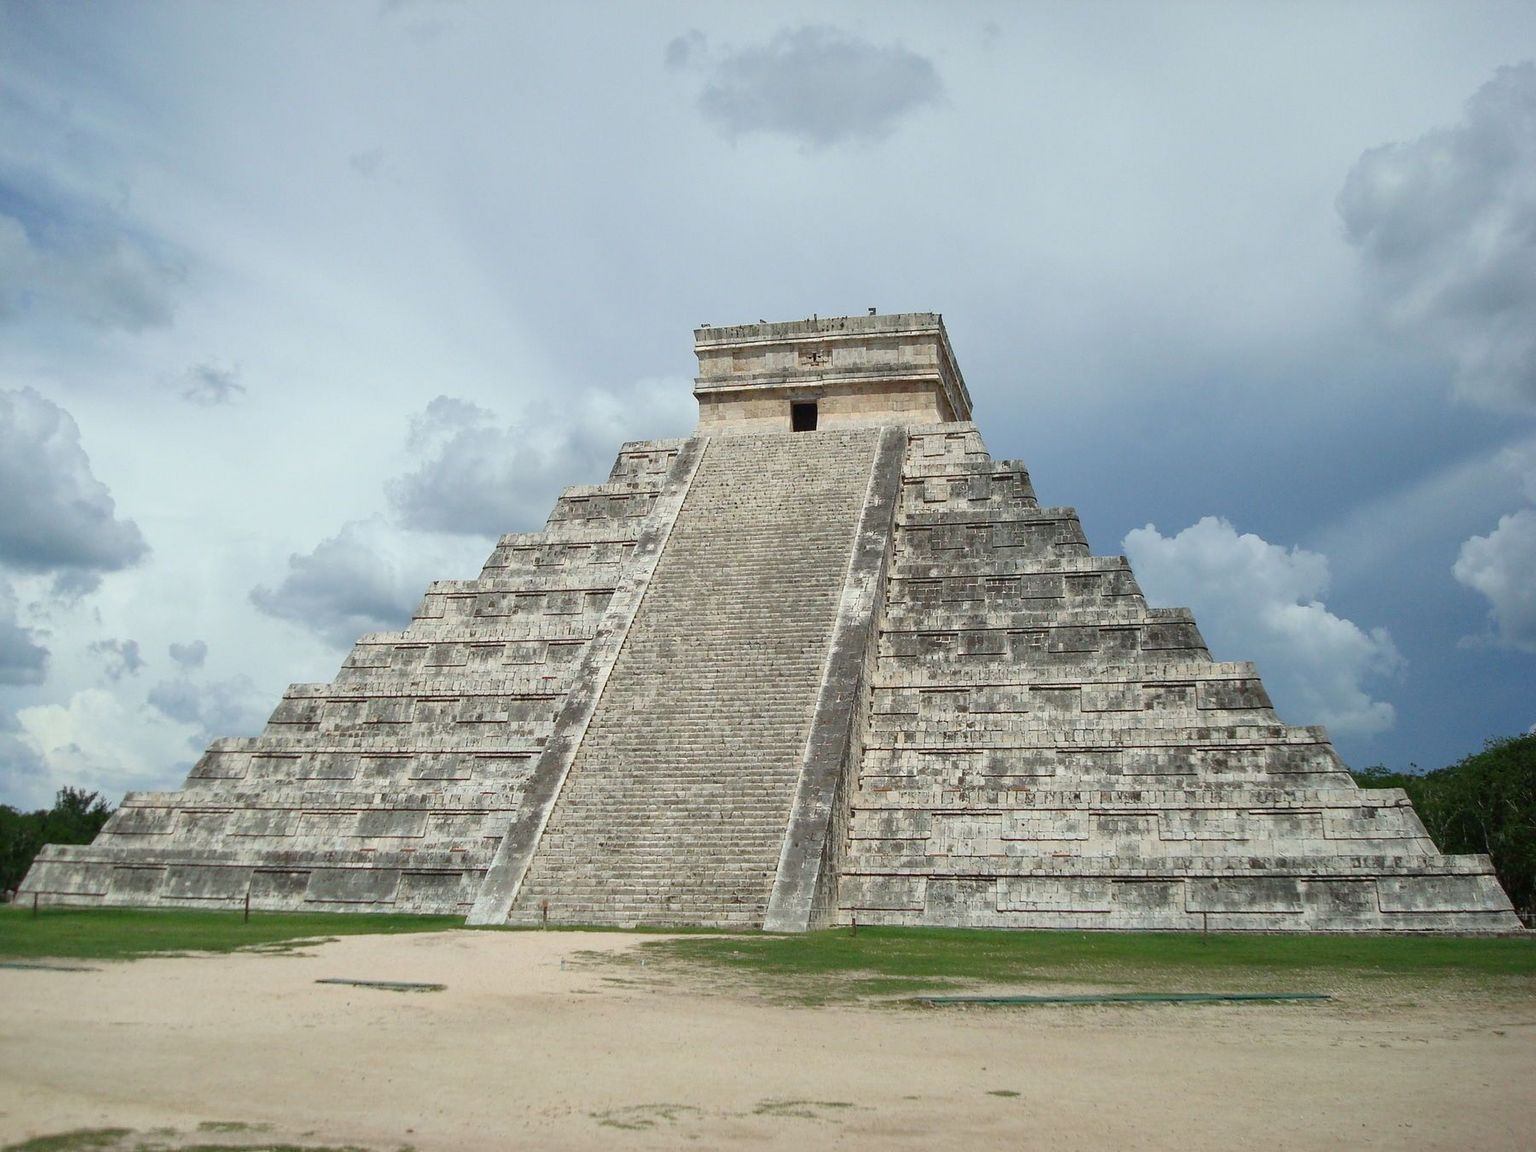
528 1048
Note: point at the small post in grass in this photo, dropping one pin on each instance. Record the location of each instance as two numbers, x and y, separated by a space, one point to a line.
854 931
247 905
34 905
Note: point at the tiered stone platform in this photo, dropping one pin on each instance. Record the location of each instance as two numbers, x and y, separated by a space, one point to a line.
1046 751
390 788
824 661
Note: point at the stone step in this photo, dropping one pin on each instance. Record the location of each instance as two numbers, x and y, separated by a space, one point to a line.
691 761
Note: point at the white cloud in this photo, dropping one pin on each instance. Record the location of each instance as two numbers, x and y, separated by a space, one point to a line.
1446 227
54 513
479 477
815 84
1257 601
100 741
1502 566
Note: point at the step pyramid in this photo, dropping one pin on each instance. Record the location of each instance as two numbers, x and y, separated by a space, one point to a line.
824 661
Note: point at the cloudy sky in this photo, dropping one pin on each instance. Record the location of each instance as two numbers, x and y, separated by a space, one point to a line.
302 304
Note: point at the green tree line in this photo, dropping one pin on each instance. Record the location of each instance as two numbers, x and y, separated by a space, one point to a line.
1485 802
75 818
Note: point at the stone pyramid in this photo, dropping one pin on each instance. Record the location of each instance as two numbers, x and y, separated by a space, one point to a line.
824 660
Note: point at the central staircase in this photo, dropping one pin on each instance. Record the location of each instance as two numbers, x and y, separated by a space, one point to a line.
677 802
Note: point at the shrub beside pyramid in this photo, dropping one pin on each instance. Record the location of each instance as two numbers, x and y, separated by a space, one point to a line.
826 659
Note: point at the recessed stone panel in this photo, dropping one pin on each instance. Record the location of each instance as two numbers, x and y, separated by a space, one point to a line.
1246 894
352 885
205 882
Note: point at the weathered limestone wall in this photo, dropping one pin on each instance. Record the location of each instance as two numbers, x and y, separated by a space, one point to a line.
861 371
390 788
1045 751
852 405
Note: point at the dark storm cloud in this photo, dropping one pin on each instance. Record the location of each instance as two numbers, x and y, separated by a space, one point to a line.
681 49
54 514
816 84
72 585
119 657
209 385
190 655
345 587
80 263
1446 228
22 659
179 699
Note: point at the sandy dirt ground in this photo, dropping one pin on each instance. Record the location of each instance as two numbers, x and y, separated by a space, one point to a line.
532 1046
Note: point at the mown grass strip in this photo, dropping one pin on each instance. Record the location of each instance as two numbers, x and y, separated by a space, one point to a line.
838 961
124 933
1132 998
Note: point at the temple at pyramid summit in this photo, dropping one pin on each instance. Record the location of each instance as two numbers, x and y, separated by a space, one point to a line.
825 660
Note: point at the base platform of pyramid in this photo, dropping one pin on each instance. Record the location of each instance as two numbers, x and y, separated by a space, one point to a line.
826 660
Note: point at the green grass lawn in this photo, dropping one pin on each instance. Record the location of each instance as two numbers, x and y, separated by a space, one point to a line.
124 933
840 965
837 964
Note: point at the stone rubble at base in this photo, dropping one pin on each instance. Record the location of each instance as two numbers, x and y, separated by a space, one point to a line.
780 678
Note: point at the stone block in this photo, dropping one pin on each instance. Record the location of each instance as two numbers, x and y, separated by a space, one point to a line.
1232 694
1245 894
1054 894
262 822
352 886
892 893
217 882
391 824
67 877
272 887
135 885
1440 894
128 821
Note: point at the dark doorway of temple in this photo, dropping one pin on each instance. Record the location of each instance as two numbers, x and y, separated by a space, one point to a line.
802 417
